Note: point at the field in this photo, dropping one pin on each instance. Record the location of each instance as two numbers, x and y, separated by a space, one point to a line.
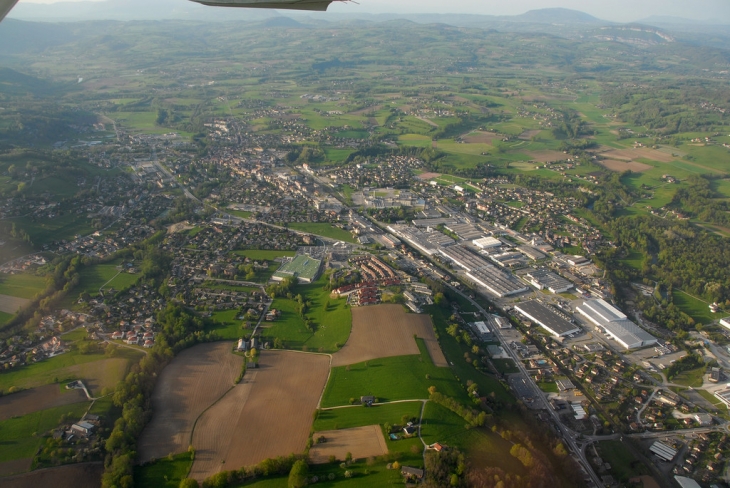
347 418
163 473
21 285
191 383
96 370
10 305
697 309
621 166
384 331
269 414
361 442
35 399
331 319
324 230
623 464
391 378
86 475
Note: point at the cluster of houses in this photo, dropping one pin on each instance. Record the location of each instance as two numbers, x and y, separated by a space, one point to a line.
136 334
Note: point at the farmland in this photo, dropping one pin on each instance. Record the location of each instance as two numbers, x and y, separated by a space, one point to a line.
277 399
35 399
21 285
384 331
360 442
73 476
191 383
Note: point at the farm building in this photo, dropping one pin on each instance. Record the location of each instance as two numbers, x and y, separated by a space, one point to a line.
543 279
497 282
412 473
304 268
547 318
83 428
616 324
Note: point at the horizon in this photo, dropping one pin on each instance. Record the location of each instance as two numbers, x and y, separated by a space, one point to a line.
623 11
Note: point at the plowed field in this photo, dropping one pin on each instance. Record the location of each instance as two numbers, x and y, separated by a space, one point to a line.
361 442
269 414
73 476
192 382
10 304
383 331
36 399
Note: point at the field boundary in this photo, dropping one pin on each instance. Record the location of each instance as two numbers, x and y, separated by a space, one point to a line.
195 424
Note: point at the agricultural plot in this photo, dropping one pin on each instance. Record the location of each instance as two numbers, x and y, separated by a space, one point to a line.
621 166
269 414
21 285
11 305
35 399
385 331
191 383
361 442
86 475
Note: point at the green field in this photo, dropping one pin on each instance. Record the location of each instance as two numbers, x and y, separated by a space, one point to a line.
21 285
163 473
324 230
22 436
623 464
697 309
359 416
331 318
389 379
5 318
49 230
228 326
691 378
264 255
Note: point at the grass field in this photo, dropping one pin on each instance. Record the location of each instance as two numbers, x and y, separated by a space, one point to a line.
163 473
389 379
347 418
21 436
332 320
692 378
48 230
623 464
228 326
324 230
697 309
5 318
712 399
21 285
264 255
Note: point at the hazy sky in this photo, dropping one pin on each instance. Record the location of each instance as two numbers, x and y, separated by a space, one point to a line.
616 10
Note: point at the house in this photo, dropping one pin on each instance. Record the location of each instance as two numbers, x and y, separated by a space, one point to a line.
410 430
412 473
367 400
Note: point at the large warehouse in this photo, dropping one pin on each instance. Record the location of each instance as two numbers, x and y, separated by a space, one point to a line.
497 282
616 324
547 318
543 279
461 256
304 268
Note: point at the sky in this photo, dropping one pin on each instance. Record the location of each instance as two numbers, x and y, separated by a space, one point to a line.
614 10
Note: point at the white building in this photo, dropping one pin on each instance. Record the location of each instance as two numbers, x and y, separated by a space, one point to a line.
487 242
663 451
616 324
725 322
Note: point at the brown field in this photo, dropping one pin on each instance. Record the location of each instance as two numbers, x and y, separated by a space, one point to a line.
192 382
480 138
382 331
86 475
639 153
428 176
547 156
361 442
9 468
95 375
621 166
269 414
36 399
10 304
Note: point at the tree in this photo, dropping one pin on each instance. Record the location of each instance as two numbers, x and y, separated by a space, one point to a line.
189 483
298 474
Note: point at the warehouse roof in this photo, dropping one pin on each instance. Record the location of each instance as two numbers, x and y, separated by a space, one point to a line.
547 318
616 323
497 282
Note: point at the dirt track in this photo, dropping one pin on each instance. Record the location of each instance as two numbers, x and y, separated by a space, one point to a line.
361 442
267 415
385 331
36 399
193 381
73 476
10 304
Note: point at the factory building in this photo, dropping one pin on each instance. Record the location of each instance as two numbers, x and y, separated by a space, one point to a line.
616 324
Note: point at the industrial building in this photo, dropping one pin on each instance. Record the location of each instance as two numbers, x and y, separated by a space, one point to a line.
464 258
543 279
466 232
487 242
304 268
426 242
725 322
616 324
663 451
547 318
497 282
